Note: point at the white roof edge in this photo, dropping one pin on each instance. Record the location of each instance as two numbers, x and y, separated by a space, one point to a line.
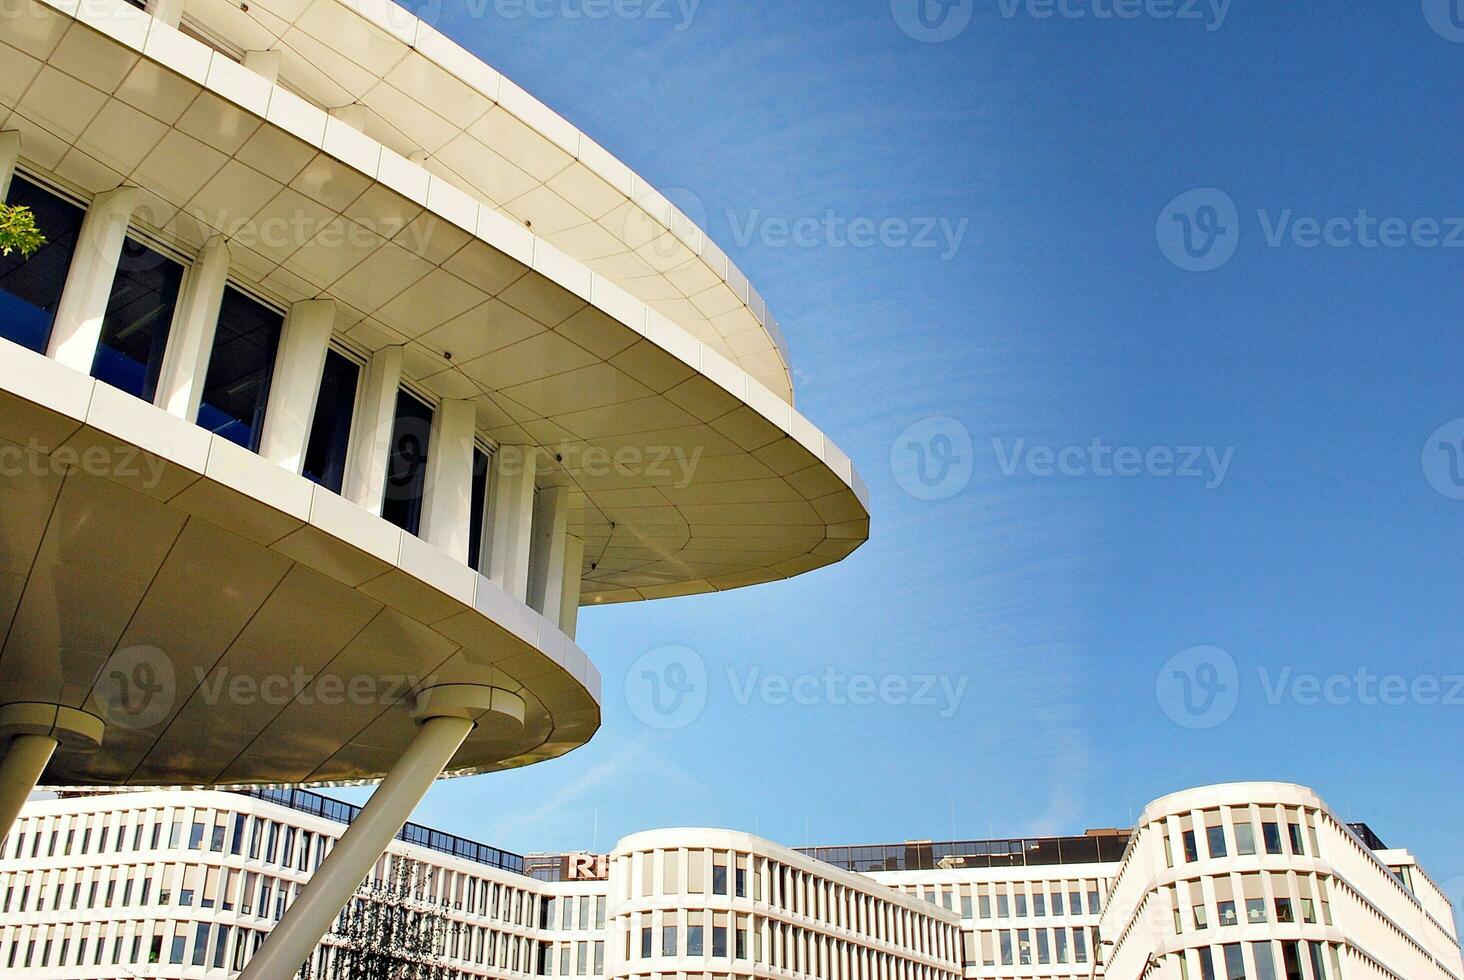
490 226
462 64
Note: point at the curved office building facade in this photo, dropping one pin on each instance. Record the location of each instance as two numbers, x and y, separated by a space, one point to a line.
1258 881
347 373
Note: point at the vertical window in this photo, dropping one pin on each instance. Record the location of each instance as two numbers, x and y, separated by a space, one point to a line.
668 940
1265 961
1291 956
1215 840
330 430
1234 962
30 289
200 943
1245 836
1271 832
1207 963
139 316
236 386
406 466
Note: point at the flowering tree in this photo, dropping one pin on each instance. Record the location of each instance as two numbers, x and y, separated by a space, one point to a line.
18 231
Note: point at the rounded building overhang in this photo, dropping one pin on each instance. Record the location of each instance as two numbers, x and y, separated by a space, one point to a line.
686 473
231 622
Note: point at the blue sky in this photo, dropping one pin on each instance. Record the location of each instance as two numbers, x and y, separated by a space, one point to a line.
1052 599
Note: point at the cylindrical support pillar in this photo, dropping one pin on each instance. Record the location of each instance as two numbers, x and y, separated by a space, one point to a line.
291 942
569 589
190 343
35 729
295 384
9 157
25 760
77 328
371 428
512 529
448 491
547 551
449 713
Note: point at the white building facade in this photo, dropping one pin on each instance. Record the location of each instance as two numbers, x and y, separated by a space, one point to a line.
347 373
1258 881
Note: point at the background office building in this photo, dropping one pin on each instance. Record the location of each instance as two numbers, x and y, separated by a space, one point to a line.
1259 881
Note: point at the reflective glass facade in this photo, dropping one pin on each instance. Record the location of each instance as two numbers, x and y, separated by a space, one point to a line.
237 386
30 289
139 316
406 468
330 432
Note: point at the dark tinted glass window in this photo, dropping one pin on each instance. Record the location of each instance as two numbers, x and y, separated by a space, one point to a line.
330 432
406 466
481 461
139 314
237 385
31 288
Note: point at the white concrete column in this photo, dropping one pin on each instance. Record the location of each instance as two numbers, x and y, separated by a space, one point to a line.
9 157
292 941
512 508
447 503
78 324
546 552
190 341
266 64
25 760
365 482
448 715
170 12
35 730
569 598
295 385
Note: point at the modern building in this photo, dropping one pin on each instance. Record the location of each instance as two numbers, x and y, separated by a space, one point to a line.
1259 881
348 372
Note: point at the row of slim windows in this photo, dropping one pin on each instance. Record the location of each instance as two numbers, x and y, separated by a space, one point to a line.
259 838
1025 947
1280 903
1038 899
1262 961
786 947
130 943
134 339
578 959
781 886
572 912
131 886
1238 835
213 946
255 838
